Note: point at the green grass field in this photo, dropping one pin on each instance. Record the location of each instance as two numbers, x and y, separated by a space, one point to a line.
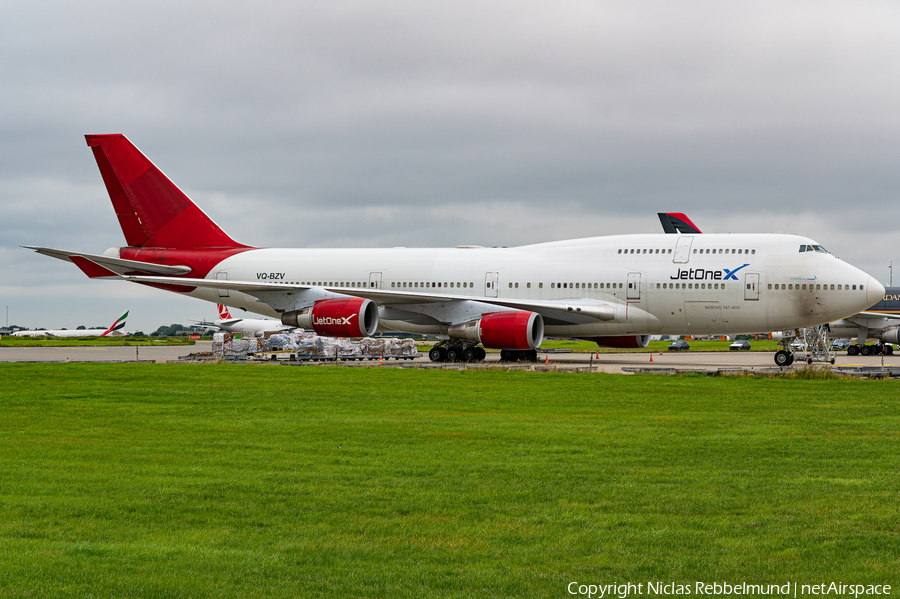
133 480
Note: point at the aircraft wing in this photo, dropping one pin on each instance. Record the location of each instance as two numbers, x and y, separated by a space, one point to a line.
96 266
875 315
575 310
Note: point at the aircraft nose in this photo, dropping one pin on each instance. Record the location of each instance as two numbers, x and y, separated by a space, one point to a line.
874 291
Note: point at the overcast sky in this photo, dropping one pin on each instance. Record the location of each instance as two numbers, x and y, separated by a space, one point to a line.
328 124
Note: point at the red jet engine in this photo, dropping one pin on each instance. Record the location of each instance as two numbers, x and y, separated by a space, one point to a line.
520 330
343 317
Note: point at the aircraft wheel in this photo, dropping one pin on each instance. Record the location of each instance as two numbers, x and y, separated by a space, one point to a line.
437 354
853 350
481 354
832 360
889 349
506 355
453 355
809 361
782 358
790 359
865 350
469 354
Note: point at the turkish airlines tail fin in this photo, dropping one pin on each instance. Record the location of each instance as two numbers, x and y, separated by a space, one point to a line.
117 325
223 312
152 211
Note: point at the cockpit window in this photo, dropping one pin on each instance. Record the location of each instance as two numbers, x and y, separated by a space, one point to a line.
813 248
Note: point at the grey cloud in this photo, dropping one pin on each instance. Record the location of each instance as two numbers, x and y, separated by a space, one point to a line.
360 124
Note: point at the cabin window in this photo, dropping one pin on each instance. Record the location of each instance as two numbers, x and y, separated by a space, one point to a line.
770 285
670 251
528 285
540 285
832 287
752 251
510 285
620 251
517 285
552 285
854 288
657 285
695 251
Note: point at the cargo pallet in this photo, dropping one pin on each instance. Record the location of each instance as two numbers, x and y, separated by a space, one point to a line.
294 357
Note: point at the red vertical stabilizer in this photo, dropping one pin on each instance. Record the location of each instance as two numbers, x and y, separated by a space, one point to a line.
152 211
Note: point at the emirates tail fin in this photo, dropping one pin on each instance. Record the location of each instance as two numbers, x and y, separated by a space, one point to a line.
152 211
117 325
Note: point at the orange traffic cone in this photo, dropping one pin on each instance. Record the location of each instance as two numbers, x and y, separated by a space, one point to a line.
381 359
598 355
547 361
660 352
651 357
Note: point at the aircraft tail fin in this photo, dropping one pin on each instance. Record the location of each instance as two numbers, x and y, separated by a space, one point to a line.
677 222
152 211
117 325
224 314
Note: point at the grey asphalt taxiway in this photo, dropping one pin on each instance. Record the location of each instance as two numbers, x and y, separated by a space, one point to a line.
613 363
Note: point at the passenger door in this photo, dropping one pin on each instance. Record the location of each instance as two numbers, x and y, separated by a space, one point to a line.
751 286
683 250
491 284
222 276
634 286
374 280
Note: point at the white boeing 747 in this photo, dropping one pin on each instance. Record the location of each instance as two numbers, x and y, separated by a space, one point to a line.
615 290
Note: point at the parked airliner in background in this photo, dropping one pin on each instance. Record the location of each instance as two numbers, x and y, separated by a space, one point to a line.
616 290
259 327
114 331
881 321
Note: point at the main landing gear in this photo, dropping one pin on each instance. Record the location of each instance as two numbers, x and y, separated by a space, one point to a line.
446 351
870 350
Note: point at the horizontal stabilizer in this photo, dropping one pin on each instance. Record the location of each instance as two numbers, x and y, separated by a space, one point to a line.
114 266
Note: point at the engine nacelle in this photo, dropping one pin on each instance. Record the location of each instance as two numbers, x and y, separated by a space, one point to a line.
503 330
623 341
343 317
891 335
